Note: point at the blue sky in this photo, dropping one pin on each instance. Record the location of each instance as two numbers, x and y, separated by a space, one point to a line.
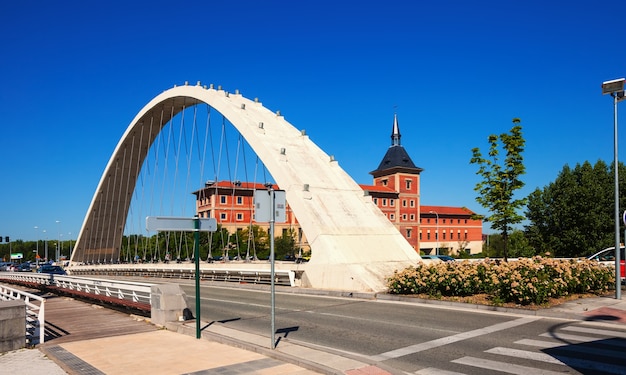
75 73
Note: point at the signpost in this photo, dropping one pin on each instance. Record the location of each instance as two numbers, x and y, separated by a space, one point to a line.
269 206
184 224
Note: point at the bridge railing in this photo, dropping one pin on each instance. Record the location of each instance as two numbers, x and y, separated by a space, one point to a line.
124 291
284 277
35 313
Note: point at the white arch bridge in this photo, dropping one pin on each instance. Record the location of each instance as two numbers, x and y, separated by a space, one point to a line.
173 145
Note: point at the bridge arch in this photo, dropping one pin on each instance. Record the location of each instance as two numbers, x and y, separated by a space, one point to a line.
353 245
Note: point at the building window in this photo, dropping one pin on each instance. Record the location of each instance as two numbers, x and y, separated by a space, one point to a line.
444 221
466 235
412 203
458 234
420 235
404 217
392 216
391 202
465 221
404 203
427 221
239 216
240 200
384 182
408 184
458 221
223 199
384 202
412 217
376 201
223 216
428 235
444 234
408 233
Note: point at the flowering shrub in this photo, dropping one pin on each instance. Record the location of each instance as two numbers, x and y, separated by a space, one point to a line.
526 281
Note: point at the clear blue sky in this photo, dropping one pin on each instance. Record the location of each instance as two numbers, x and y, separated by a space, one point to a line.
75 73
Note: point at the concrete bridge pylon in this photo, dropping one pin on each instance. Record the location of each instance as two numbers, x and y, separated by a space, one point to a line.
353 245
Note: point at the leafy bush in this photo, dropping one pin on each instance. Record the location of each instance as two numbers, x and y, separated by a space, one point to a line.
526 281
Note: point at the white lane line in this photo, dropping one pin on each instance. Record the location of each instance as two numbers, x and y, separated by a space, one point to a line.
452 339
436 371
503 367
595 331
524 354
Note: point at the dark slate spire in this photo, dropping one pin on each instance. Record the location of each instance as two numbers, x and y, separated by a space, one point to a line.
395 132
396 159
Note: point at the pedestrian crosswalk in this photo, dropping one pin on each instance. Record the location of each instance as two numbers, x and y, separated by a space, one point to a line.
572 349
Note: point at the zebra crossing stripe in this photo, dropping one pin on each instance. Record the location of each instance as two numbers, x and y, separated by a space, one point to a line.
503 366
452 339
564 336
524 354
436 371
572 348
596 331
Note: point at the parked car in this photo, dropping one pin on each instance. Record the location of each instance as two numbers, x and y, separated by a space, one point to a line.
446 258
431 258
607 257
53 270
23 267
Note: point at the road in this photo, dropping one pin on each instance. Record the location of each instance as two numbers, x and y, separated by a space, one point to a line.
423 339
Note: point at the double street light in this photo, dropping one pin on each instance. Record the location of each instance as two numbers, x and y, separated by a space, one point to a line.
616 89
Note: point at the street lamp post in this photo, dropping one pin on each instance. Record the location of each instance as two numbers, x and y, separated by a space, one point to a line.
58 240
37 239
45 247
616 89
436 232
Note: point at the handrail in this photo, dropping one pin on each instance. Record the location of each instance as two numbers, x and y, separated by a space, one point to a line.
35 314
123 290
257 275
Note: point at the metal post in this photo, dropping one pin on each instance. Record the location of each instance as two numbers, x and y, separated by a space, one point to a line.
618 281
272 286
196 254
37 238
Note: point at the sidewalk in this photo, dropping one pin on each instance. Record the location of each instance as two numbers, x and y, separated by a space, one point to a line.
222 350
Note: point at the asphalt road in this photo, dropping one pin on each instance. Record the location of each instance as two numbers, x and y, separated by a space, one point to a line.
423 339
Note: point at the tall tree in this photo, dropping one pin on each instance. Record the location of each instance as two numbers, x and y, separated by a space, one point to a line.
501 178
573 216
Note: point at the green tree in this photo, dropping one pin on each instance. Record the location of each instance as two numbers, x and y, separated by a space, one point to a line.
501 178
285 245
574 215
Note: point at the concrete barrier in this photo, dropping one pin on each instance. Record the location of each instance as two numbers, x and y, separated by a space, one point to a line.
168 304
12 325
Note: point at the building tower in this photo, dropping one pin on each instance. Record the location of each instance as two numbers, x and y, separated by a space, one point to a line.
397 180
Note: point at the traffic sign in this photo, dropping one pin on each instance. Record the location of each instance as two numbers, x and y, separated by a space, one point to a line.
183 224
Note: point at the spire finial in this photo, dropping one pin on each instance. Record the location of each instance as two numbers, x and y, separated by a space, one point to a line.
395 133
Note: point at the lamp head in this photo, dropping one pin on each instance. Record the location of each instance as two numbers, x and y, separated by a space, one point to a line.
613 86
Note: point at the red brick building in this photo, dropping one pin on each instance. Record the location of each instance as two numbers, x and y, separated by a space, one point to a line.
396 191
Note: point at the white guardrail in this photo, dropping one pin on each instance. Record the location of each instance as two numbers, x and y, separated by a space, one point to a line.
35 313
132 291
252 274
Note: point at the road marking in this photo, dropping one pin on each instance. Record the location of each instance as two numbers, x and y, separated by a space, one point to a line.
436 371
596 331
452 339
540 343
584 339
524 354
503 367
585 349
